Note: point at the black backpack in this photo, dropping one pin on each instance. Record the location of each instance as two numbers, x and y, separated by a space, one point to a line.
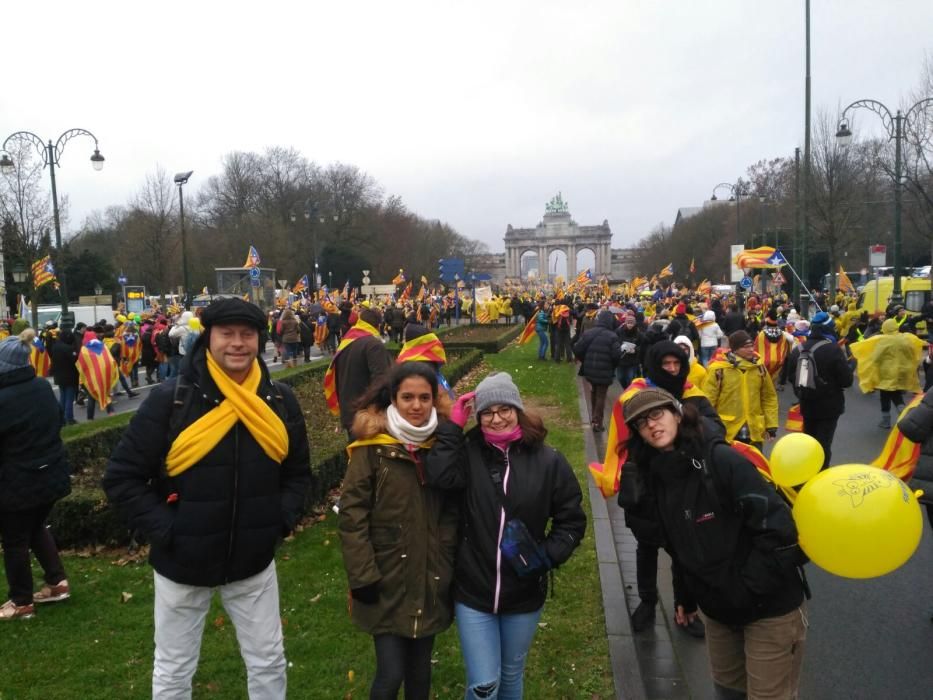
164 343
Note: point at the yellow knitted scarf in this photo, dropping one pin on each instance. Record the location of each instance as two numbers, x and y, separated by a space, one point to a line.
241 403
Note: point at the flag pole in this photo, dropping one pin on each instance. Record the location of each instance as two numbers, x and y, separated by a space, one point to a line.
802 284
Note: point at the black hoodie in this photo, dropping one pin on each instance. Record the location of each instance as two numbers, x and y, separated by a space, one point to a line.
674 383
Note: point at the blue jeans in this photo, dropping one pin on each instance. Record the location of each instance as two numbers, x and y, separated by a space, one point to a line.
626 374
542 343
66 399
706 353
494 651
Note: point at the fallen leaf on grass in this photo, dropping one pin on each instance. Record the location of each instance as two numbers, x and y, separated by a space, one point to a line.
219 622
316 598
125 597
350 675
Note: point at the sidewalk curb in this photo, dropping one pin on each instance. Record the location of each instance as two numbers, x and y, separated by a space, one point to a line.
623 657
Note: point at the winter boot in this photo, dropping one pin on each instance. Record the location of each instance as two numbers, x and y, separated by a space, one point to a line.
885 420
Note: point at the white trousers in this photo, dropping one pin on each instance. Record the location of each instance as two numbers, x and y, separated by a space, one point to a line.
253 607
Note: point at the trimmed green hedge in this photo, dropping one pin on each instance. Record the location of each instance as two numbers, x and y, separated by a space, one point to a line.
508 334
85 518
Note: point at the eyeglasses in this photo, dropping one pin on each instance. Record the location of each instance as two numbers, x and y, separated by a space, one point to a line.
504 413
654 415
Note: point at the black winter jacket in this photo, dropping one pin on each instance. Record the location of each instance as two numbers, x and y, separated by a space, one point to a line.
540 488
917 426
835 375
733 536
624 334
356 367
33 464
64 369
221 520
599 351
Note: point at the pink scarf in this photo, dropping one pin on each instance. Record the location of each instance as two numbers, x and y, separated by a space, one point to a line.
502 440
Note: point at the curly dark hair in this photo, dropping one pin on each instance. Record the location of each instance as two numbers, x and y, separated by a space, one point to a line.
689 437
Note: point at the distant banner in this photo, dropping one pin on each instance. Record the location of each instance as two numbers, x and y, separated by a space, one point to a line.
483 294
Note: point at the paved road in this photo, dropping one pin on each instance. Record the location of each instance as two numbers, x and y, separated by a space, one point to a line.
869 639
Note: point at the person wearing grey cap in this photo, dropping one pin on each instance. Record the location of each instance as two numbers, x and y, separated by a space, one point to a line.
213 470
34 475
513 486
734 540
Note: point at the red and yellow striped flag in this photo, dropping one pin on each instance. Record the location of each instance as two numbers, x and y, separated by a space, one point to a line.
425 348
899 455
98 371
794 422
529 332
39 358
360 330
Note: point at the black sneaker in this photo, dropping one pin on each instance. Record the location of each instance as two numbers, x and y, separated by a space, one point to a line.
644 616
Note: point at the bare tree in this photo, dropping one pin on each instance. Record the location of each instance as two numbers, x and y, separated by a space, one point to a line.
25 205
151 231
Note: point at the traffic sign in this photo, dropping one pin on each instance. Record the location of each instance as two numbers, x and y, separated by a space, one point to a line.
746 282
877 255
778 278
481 277
254 274
448 267
122 280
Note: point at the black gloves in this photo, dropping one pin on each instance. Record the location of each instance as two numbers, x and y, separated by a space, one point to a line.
368 594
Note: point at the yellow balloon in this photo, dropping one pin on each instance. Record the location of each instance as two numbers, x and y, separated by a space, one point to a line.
857 521
795 458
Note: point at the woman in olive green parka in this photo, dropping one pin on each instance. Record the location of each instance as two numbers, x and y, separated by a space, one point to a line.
398 535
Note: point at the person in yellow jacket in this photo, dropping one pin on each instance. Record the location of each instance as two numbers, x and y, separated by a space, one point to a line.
888 362
741 391
492 310
505 309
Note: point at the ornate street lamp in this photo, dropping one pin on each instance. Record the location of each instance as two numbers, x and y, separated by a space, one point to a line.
894 125
735 195
51 155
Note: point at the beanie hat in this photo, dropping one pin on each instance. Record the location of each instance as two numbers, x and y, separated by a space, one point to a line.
233 310
14 351
802 326
647 399
680 309
496 389
738 339
821 319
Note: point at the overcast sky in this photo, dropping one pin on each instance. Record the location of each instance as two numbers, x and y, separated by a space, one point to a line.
476 113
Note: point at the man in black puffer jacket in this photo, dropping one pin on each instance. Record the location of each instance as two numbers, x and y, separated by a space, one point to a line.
599 351
33 476
213 470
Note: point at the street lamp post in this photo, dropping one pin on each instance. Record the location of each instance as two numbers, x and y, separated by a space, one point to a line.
19 277
51 154
181 179
735 195
894 126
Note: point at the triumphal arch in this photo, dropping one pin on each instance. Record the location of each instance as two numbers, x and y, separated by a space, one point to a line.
557 231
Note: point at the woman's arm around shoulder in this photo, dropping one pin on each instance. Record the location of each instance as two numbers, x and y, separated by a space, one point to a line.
446 463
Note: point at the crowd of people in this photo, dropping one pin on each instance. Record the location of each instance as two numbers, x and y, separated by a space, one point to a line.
440 521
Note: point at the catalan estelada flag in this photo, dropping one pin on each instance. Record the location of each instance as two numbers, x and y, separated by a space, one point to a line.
772 353
399 278
794 422
360 330
584 278
899 455
301 285
252 258
639 282
425 348
39 358
764 257
131 350
406 293
529 331
98 371
482 316
43 271
704 287
666 271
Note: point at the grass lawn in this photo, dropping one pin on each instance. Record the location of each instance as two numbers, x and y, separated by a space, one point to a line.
99 643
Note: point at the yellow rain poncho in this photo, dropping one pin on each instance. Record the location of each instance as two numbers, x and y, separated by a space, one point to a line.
742 392
888 361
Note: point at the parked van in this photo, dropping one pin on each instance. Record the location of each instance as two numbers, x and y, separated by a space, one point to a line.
89 315
916 291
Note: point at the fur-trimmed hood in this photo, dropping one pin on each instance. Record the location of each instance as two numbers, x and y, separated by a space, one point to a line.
371 421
